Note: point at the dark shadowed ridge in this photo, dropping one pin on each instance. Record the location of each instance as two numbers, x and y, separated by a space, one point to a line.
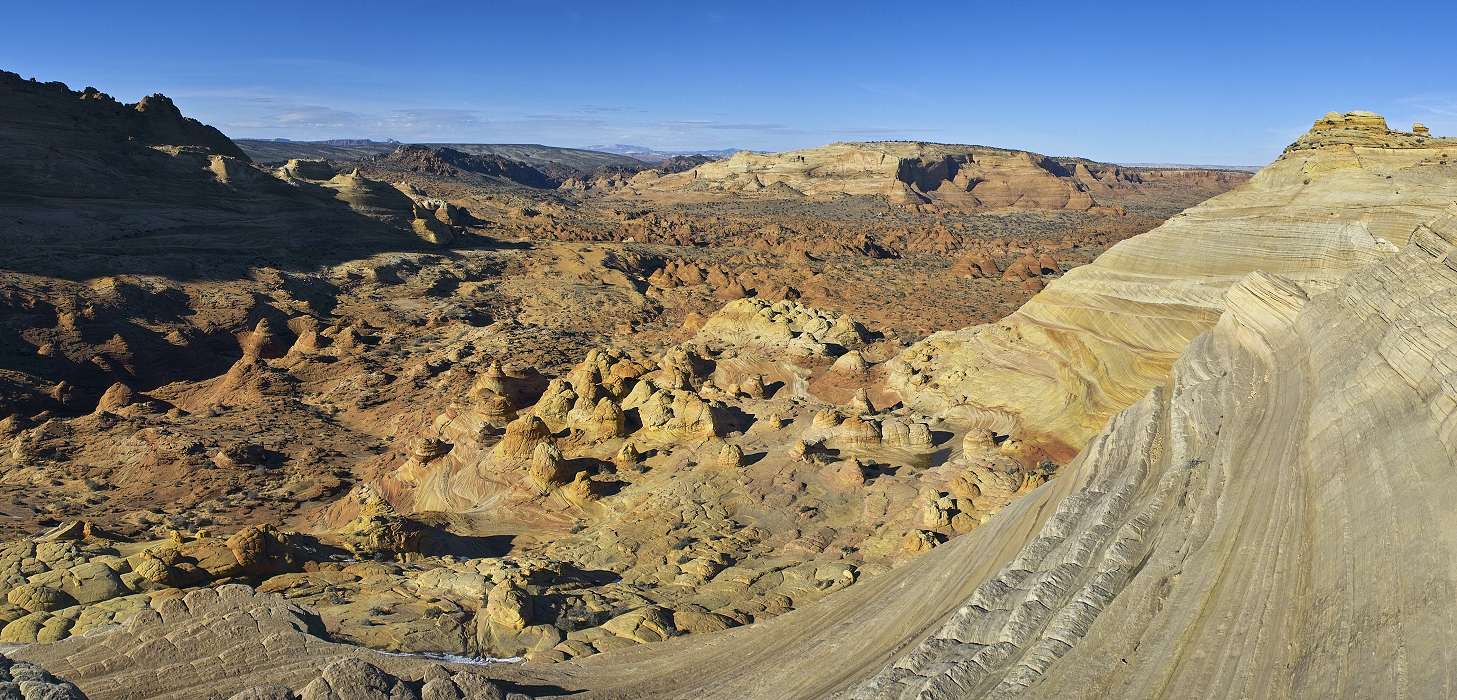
97 187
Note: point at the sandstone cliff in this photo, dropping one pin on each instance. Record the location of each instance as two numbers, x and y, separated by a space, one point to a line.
96 186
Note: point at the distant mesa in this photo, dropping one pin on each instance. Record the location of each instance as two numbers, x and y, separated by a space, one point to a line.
678 164
965 177
568 161
343 142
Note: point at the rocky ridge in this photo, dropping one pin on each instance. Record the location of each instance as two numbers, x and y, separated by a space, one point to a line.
443 161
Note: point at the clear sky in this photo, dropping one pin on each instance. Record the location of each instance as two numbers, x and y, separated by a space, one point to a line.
1173 81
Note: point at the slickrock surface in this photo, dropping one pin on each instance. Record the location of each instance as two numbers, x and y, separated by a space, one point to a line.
1210 545
1344 196
1218 497
231 642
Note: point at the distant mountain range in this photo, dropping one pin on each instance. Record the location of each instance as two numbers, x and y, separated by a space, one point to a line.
586 159
653 155
535 155
1187 166
336 142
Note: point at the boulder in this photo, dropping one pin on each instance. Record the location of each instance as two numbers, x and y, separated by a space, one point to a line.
92 582
730 456
36 598
116 397
509 606
644 625
548 468
262 551
355 679
522 437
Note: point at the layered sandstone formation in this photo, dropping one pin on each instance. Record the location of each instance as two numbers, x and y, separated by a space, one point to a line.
1345 195
430 219
1224 495
109 208
749 471
1212 514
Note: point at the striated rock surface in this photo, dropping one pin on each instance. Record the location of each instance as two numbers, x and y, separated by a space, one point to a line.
25 681
1287 414
1347 194
234 643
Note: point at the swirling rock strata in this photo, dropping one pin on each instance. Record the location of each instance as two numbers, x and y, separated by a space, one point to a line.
1098 338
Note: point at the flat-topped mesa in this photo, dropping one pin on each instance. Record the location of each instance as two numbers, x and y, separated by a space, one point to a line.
1360 128
910 172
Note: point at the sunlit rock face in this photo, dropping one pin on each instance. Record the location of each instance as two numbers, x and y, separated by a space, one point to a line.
1344 196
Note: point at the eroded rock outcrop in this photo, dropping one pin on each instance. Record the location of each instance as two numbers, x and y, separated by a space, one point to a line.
679 482
235 643
26 681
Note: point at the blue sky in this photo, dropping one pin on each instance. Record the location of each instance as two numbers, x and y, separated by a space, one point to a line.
1171 81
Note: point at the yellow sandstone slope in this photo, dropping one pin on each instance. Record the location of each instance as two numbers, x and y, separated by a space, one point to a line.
1344 196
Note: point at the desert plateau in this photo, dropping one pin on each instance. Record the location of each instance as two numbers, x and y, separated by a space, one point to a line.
314 403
